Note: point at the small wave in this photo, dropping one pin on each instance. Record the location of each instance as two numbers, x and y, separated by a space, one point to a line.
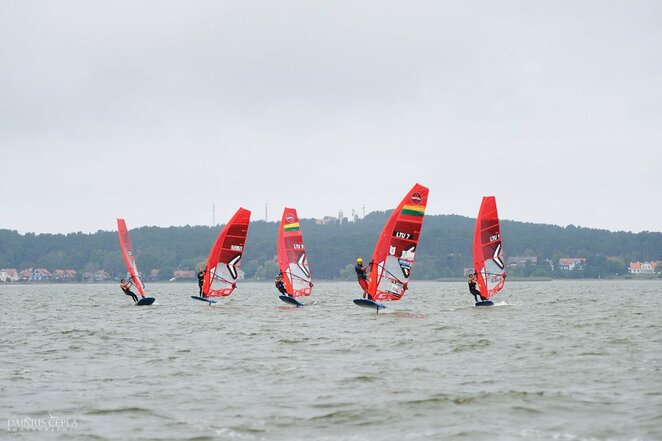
120 410
436 399
482 343
528 410
411 315
78 331
329 405
339 417
162 359
293 340
620 341
246 429
406 342
361 379
586 324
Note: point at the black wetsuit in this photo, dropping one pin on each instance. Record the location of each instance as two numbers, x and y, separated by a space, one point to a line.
360 272
128 292
362 276
475 292
201 280
281 287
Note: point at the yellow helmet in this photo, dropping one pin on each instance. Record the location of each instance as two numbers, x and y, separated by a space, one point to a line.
359 260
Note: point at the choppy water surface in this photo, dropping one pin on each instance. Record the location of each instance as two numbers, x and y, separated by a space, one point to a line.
562 360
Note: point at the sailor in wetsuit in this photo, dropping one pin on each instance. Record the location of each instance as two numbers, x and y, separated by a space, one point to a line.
126 288
472 288
280 285
362 276
201 279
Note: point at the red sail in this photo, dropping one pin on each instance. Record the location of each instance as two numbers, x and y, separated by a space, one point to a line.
488 253
292 260
224 257
393 258
129 256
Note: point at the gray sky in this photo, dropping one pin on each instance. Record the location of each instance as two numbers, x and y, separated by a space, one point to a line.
153 110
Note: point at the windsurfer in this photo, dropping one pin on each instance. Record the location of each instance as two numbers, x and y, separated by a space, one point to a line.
362 276
472 288
280 285
126 288
201 279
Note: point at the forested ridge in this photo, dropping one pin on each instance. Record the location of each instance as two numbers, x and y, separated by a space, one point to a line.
444 250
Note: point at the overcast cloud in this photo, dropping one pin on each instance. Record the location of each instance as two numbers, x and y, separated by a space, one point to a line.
154 110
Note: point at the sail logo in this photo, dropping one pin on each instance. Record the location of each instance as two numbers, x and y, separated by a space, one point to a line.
129 252
298 246
401 235
289 217
237 248
405 266
496 257
416 198
303 265
392 250
232 266
395 289
494 237
408 253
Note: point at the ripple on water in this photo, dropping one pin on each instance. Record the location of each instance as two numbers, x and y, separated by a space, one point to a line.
137 411
430 367
477 344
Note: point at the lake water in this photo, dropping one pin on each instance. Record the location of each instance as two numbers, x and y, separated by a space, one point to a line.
561 360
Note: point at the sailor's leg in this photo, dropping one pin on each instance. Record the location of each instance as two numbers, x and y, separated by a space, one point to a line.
364 286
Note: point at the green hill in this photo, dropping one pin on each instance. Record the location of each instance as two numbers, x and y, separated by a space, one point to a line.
444 250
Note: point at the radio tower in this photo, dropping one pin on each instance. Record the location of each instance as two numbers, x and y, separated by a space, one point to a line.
266 211
363 210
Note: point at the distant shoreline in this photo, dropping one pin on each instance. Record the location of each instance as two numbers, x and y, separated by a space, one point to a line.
441 280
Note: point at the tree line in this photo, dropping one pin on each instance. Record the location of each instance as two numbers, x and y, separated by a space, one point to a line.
445 248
